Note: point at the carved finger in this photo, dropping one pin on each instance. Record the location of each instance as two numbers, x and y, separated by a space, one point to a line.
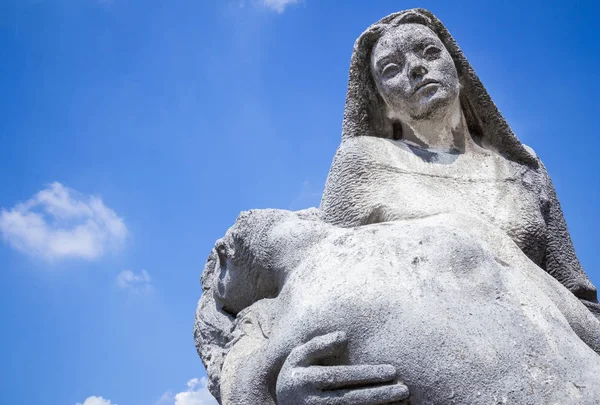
336 377
366 396
318 348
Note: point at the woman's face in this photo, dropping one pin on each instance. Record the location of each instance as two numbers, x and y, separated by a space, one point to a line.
414 73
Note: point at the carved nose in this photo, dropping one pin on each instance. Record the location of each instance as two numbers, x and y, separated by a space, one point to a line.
418 71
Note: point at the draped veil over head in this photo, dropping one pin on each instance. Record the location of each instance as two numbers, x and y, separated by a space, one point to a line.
365 115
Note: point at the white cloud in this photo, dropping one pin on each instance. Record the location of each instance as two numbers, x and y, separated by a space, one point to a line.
96 401
196 394
59 223
275 5
278 5
127 279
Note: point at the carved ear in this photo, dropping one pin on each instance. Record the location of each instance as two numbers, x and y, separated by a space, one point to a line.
252 322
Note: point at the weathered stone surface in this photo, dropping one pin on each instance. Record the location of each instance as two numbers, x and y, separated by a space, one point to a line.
459 316
438 269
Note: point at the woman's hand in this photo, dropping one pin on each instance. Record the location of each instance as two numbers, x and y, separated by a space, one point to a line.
301 382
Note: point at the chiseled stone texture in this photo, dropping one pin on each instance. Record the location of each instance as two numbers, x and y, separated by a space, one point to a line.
437 270
463 317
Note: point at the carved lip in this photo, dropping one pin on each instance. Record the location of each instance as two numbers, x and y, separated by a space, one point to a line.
425 83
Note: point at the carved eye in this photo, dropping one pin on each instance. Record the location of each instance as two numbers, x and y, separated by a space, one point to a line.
391 69
431 52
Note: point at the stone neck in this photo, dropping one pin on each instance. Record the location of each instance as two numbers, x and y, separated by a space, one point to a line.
448 133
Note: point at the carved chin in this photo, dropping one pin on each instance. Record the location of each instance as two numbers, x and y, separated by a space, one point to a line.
433 106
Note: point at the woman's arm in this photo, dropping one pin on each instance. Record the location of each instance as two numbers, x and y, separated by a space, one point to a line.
560 260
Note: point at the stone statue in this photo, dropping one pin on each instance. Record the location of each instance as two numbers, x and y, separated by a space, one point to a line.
437 270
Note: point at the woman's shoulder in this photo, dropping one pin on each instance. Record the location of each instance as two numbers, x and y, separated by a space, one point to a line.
538 168
366 149
365 143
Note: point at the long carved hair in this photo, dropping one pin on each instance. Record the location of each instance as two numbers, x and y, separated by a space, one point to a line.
365 113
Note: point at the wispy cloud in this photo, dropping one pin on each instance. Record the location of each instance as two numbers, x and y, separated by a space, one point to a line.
140 283
59 223
278 5
196 394
306 198
96 401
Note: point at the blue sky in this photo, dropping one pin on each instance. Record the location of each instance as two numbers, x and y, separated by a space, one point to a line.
133 132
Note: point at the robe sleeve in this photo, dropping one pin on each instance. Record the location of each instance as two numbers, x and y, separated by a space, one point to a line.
560 259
